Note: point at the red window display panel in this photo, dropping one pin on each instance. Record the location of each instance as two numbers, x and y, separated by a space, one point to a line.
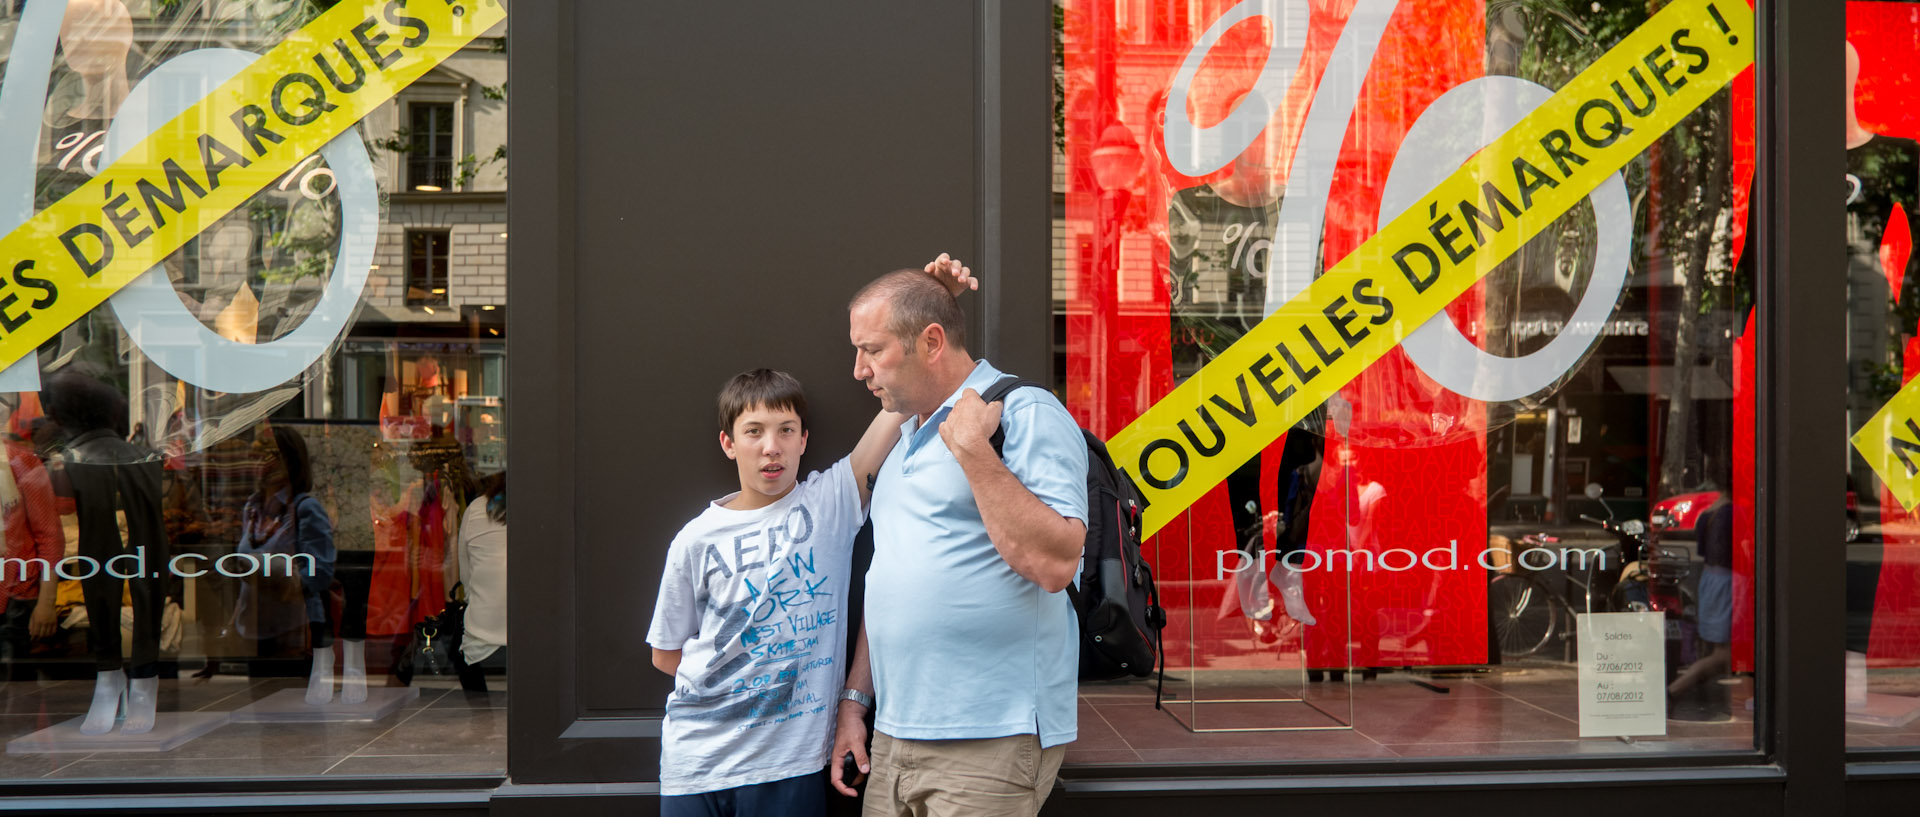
1886 39
1405 467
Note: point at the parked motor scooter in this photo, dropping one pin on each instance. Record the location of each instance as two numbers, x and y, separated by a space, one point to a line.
1651 578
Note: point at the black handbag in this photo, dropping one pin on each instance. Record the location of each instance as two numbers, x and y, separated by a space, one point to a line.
435 647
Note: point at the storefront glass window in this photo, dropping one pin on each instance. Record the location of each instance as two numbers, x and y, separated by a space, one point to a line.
1882 534
255 514
1524 529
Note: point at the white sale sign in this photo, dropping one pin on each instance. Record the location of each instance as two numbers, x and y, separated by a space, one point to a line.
1623 670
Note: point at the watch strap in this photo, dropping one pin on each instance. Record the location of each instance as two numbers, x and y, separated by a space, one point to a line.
856 696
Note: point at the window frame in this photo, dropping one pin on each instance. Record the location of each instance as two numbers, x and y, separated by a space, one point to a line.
431 169
428 297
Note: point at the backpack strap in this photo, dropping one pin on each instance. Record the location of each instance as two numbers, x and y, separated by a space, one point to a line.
998 392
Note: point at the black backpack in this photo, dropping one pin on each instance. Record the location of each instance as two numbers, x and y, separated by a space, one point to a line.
1118 604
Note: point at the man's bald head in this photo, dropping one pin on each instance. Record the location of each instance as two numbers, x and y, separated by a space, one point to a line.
915 301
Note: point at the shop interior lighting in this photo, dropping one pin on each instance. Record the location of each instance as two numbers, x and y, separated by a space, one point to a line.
427 188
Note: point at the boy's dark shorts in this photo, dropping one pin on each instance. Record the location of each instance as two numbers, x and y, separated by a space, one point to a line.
803 796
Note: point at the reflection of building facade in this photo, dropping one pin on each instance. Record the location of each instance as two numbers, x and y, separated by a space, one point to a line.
438 274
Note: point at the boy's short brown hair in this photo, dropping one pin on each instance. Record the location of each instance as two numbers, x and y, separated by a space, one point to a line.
764 388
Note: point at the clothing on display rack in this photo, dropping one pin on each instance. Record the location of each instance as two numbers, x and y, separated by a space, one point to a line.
410 545
416 500
31 518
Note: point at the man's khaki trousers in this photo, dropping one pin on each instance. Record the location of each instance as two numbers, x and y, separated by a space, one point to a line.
988 777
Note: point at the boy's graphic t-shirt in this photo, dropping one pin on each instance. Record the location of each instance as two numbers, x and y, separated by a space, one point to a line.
756 602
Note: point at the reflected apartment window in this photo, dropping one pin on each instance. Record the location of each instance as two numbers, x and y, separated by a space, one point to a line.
427 259
430 161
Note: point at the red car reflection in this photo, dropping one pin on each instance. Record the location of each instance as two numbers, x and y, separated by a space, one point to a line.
1682 511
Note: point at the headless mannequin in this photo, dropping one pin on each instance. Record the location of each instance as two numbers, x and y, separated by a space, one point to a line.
96 36
1856 135
1218 232
115 486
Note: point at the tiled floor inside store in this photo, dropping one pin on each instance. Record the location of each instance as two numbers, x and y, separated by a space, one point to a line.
445 731
1513 711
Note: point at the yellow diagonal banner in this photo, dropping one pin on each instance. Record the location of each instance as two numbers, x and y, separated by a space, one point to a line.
1890 442
216 155
1421 261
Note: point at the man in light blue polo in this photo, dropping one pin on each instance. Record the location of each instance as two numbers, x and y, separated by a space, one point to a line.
970 644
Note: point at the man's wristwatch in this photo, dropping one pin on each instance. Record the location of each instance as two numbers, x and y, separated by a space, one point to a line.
856 696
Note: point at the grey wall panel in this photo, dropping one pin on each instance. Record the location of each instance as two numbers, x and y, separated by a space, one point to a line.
745 170
716 181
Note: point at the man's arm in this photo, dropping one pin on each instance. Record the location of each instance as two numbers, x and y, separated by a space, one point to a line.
851 734
1034 539
871 452
667 661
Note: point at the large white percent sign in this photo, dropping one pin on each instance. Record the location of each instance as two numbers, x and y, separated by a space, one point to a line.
1434 147
151 312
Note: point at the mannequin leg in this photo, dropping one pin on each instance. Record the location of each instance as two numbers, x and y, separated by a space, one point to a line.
143 701
102 597
149 596
1293 594
355 579
108 687
353 675
320 681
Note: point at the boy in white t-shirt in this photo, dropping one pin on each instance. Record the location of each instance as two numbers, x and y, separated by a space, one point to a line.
751 619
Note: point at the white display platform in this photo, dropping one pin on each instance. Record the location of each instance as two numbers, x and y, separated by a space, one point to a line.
170 730
290 706
1884 710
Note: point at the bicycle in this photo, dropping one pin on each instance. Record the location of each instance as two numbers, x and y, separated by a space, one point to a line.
1527 615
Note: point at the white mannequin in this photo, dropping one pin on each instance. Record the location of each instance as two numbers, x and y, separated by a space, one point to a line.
112 694
320 683
353 674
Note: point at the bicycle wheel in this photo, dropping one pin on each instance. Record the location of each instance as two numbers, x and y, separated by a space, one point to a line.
1522 615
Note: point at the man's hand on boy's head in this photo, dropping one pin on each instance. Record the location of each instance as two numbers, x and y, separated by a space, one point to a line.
952 274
